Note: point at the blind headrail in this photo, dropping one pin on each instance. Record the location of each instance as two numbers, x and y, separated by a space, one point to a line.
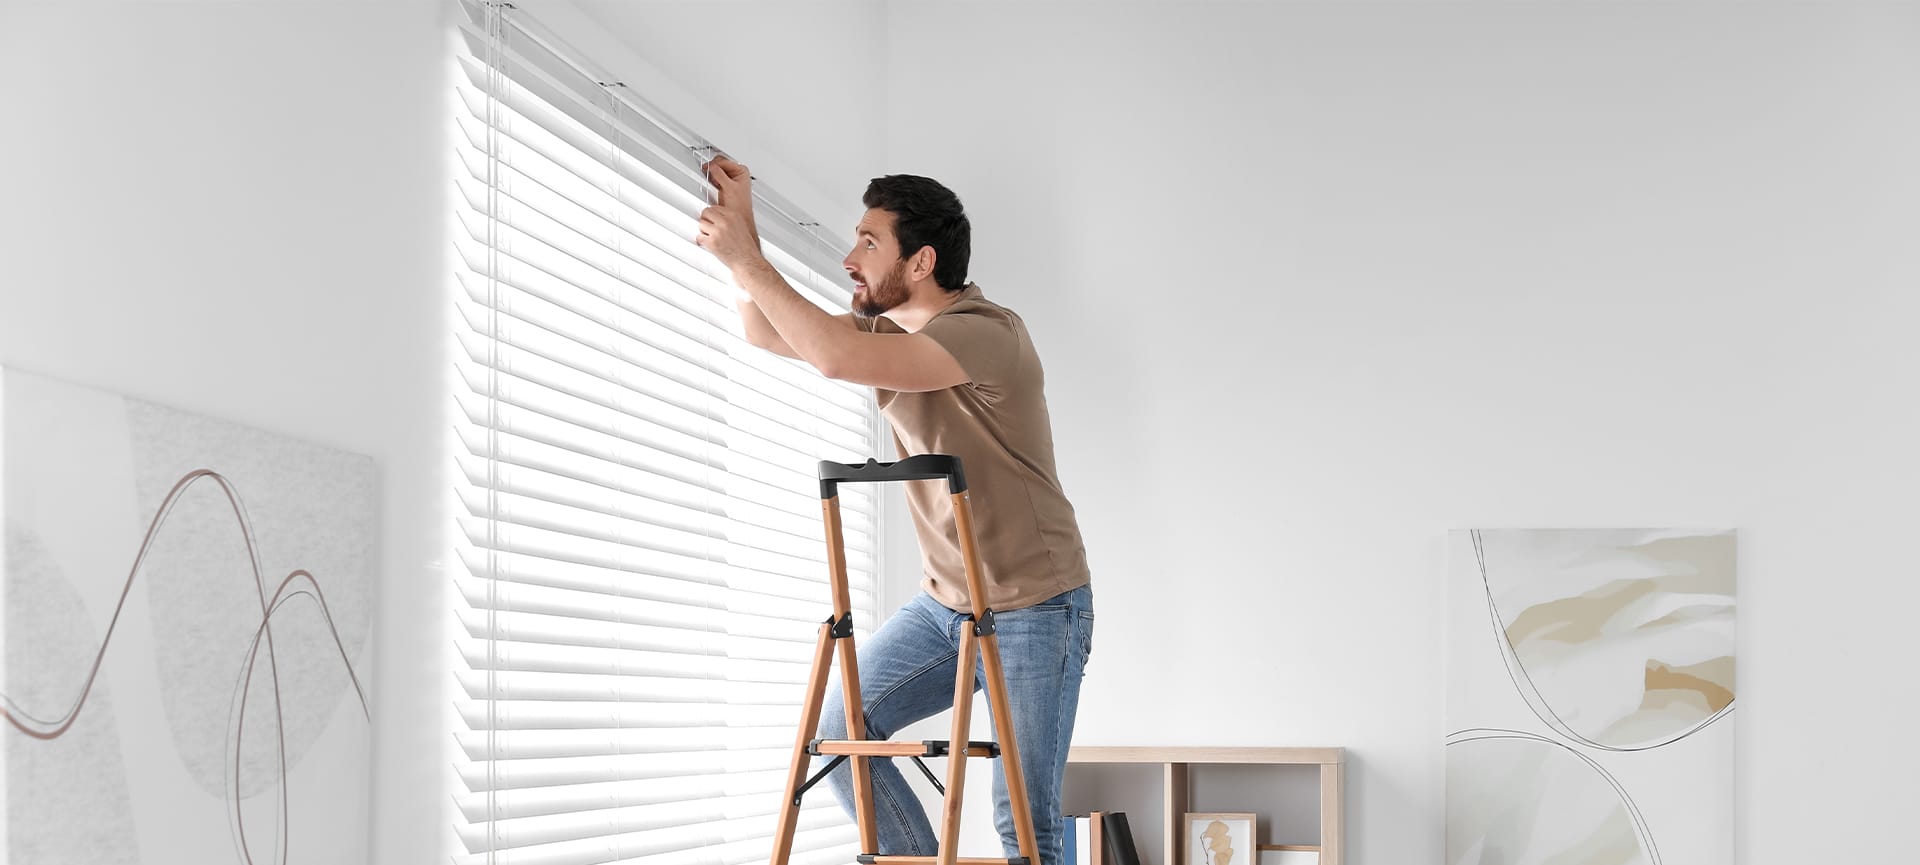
689 150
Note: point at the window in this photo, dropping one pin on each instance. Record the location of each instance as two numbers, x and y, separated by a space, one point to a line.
642 564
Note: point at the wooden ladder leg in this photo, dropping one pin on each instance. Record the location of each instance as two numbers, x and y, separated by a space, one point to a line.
850 675
857 729
809 724
949 852
1009 750
996 686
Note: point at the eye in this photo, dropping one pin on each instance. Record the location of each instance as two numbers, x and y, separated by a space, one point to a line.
870 245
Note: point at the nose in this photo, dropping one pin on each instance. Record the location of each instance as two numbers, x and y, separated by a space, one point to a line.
848 261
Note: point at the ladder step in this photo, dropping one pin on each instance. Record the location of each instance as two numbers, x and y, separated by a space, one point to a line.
877 748
870 859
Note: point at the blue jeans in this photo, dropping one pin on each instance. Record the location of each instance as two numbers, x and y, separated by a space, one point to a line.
907 671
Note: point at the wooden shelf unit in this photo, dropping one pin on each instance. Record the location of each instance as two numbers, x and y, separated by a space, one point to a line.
1174 763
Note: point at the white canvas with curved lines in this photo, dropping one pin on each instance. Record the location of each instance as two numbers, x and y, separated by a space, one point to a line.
187 611
1590 693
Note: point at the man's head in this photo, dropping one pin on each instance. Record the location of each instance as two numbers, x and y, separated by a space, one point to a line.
914 237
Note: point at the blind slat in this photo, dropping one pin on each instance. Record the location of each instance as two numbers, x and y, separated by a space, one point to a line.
769 644
532 534
523 744
528 542
680 845
692 590
523 501
713 790
566 771
605 606
585 715
817 828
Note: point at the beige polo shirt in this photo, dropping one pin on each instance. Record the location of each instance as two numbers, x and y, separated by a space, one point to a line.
997 424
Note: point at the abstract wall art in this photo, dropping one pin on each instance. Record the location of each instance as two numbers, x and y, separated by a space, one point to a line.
187 612
1590 692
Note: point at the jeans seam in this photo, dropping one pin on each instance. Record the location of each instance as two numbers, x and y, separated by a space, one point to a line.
1060 743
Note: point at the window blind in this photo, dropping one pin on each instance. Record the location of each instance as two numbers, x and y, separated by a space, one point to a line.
642 566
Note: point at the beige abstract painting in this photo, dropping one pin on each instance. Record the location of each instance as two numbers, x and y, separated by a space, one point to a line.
1590 680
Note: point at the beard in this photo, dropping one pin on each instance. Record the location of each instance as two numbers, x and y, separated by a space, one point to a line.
882 295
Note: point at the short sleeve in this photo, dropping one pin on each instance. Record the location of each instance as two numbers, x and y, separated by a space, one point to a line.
983 342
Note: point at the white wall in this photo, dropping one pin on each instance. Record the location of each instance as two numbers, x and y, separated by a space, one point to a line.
1503 265
236 209
1316 283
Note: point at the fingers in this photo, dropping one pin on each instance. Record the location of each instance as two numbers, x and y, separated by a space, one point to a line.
711 223
727 218
727 176
717 176
729 167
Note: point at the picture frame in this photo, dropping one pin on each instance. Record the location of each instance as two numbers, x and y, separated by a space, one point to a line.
1219 838
1289 854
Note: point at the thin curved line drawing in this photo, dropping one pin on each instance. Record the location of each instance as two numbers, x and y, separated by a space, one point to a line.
1640 827
1523 682
45 729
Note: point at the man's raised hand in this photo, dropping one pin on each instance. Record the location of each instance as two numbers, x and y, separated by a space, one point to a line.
732 179
726 228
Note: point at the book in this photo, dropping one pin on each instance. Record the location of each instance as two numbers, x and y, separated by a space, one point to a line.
1083 841
1097 837
1118 836
1068 852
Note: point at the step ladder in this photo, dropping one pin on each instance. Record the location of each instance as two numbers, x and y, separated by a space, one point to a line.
837 631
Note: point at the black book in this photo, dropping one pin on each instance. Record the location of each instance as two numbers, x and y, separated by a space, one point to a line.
1119 840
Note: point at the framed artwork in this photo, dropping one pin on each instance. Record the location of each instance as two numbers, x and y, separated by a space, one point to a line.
1290 855
1219 839
187 609
1590 696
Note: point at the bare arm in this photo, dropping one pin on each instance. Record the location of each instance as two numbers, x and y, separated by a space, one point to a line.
761 332
776 317
895 361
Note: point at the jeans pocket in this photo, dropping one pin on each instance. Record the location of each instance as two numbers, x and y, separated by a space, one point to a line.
1085 622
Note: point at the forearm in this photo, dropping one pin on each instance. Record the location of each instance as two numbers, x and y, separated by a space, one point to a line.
759 331
813 334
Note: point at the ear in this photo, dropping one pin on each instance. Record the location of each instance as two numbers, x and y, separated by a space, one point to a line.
922 267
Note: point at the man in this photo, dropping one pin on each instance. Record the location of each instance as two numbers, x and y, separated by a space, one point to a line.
955 374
